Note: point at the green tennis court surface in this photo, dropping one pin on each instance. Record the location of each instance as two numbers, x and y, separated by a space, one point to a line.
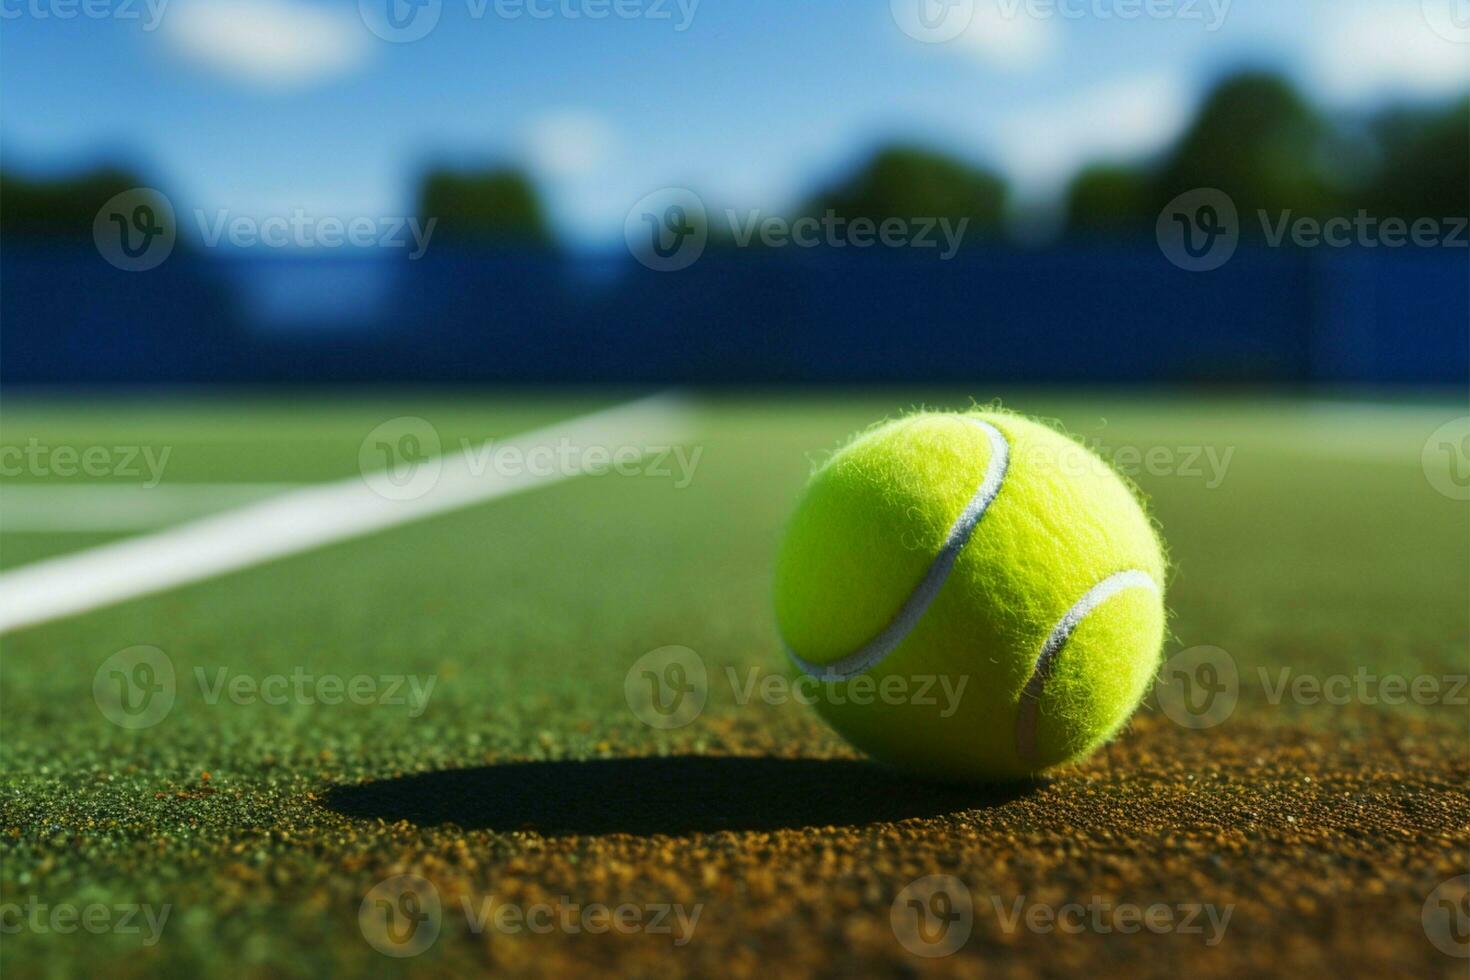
447 700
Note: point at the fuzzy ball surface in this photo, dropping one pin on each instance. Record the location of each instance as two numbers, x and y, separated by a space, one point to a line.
971 596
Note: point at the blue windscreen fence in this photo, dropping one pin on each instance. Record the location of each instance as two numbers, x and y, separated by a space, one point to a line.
1082 313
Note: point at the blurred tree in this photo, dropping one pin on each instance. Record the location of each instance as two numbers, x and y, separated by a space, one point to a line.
1109 198
1257 140
1424 163
497 205
61 208
909 182
1260 143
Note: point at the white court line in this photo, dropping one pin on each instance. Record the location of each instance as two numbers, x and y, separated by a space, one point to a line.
93 507
311 517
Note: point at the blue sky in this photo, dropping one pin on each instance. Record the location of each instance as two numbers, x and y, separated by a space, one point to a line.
260 107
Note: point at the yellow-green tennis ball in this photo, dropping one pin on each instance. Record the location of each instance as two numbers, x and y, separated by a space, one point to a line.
971 596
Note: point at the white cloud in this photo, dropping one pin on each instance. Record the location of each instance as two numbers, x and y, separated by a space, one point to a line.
1388 48
270 43
569 143
1043 146
1006 37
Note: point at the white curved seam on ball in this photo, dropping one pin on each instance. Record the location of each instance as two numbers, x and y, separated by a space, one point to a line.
1026 715
873 652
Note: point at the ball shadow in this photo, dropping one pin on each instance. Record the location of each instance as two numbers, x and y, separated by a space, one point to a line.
661 795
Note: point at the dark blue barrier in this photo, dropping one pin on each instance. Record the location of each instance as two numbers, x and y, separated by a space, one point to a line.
1081 313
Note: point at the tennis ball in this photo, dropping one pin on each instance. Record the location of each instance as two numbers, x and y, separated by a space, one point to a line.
971 597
